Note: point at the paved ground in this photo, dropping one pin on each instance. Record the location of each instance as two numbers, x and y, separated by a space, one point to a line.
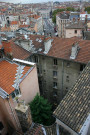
49 27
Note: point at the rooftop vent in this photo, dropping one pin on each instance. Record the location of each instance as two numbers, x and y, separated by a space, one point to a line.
39 40
26 37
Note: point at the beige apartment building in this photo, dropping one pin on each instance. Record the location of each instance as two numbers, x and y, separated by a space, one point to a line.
75 29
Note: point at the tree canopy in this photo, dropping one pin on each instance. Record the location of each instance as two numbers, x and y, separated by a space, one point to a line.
60 10
41 111
87 9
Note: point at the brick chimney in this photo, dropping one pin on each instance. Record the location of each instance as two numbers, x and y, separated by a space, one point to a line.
7 48
74 19
86 19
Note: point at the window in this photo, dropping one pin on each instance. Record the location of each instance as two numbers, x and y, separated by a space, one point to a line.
66 90
13 95
75 31
37 70
54 93
44 71
67 78
1 125
36 59
16 93
54 73
68 64
82 67
55 61
55 85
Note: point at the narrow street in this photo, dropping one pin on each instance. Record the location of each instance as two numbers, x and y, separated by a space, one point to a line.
49 27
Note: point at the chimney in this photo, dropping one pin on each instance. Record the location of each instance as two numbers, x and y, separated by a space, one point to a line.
7 48
86 19
47 44
24 116
78 20
74 19
74 51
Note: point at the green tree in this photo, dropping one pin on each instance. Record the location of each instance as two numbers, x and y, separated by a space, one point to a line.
41 111
70 9
87 9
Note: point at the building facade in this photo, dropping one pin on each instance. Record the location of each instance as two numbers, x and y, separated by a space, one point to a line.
61 21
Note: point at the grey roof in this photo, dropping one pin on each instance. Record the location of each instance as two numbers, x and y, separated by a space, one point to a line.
75 107
63 16
87 35
76 25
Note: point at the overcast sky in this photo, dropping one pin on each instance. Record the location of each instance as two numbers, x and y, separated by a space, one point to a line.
30 1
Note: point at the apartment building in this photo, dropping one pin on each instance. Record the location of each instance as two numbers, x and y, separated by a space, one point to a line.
75 29
36 23
73 112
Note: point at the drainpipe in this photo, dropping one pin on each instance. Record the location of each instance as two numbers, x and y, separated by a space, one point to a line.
13 114
57 129
62 78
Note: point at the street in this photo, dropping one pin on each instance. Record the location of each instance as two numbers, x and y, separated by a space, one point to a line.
49 27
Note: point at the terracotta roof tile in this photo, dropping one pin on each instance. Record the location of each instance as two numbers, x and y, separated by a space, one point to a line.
14 22
7 75
17 51
61 48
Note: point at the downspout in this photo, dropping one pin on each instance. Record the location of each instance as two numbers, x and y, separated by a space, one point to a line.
57 129
62 79
13 113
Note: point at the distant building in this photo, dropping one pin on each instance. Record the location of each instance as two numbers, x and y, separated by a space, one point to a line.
45 13
83 16
36 23
75 28
62 20
14 25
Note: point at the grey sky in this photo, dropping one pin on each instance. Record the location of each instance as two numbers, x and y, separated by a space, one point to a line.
30 1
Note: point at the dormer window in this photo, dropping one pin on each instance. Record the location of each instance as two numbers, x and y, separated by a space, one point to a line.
16 93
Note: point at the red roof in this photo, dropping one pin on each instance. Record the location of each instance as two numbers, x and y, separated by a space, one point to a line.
14 22
17 51
23 26
7 75
0 46
61 48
